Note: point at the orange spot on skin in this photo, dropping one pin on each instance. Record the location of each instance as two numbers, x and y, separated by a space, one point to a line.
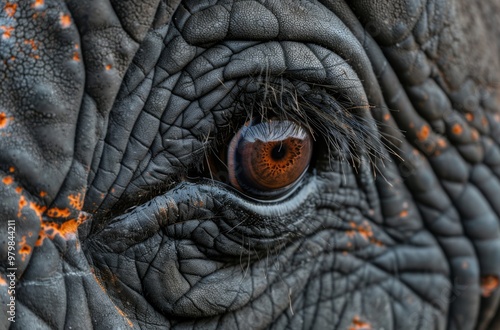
69 227
11 169
38 209
99 283
108 67
387 117
25 249
198 203
41 237
24 252
76 201
3 120
489 284
56 212
124 316
469 116
474 135
65 21
19 190
32 43
21 205
357 324
7 180
77 46
364 230
376 242
38 4
67 230
7 31
3 282
442 143
457 129
424 132
76 57
10 9
403 214
43 194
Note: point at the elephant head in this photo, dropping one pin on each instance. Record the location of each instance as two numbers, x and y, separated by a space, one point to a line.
237 164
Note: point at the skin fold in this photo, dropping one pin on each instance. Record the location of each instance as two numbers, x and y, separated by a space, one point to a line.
115 119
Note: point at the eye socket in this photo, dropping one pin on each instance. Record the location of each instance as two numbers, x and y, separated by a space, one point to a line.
266 159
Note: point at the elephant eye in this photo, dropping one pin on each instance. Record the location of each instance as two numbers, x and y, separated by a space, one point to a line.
267 159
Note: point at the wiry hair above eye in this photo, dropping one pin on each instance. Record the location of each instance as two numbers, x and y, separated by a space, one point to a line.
327 113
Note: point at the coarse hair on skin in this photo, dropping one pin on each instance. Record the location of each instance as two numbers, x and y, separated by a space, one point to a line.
327 113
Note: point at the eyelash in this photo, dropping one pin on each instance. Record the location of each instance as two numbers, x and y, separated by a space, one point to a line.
336 127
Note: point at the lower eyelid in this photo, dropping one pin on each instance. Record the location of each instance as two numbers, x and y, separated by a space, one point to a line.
199 201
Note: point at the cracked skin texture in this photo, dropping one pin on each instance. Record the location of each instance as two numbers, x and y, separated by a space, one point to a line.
107 106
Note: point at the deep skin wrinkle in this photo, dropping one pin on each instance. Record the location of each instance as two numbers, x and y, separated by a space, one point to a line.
115 120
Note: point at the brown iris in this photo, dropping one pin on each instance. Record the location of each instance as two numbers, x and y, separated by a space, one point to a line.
267 158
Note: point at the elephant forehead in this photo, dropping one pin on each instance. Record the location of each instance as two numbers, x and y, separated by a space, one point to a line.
255 20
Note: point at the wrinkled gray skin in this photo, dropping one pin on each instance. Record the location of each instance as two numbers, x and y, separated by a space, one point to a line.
106 106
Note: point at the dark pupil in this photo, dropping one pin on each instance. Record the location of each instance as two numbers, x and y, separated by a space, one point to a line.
278 152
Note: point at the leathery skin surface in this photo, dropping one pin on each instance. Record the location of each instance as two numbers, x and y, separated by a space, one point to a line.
250 164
